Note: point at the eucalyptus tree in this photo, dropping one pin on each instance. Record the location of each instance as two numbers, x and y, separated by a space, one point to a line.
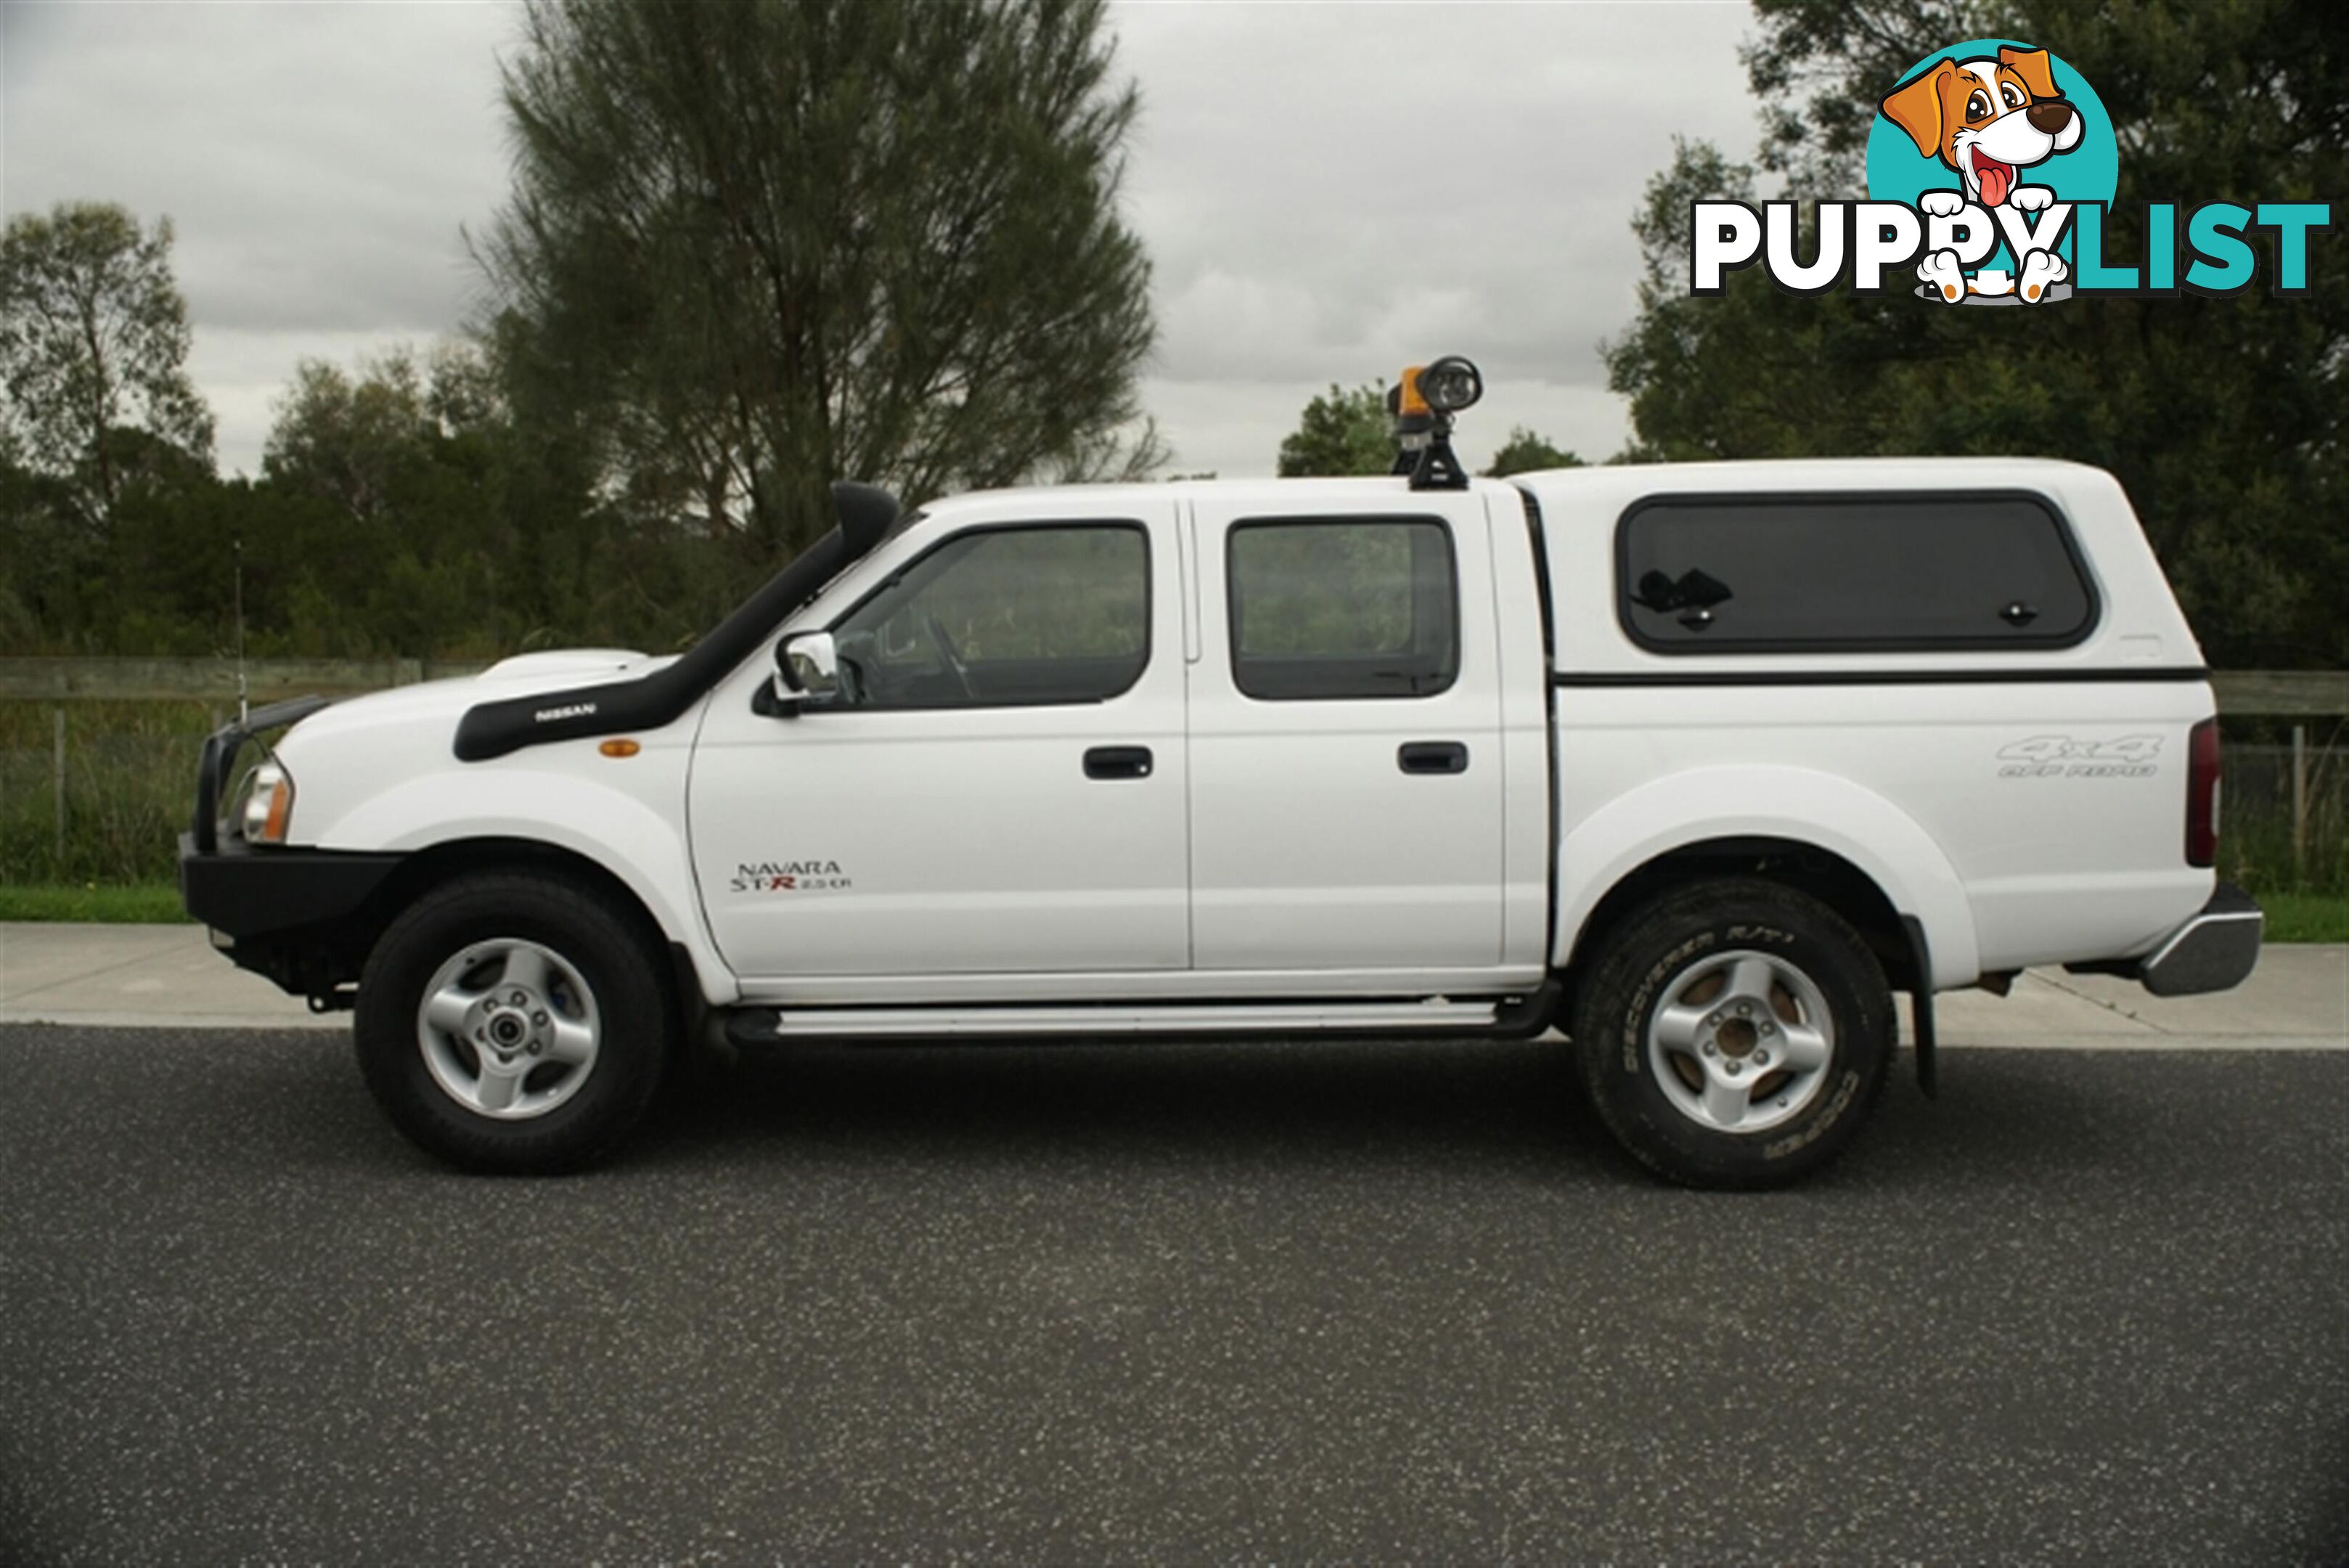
1527 450
1346 430
93 352
755 246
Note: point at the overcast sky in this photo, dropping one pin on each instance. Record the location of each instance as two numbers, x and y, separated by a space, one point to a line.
1327 192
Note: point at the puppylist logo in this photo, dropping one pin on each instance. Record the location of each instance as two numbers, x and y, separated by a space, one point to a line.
1992 168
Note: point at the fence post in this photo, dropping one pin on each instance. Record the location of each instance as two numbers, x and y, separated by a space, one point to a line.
58 780
2299 805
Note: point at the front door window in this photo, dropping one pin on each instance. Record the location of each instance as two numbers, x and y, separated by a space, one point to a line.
1005 618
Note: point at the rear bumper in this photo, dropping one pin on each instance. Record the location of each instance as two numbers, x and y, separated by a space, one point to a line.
2215 950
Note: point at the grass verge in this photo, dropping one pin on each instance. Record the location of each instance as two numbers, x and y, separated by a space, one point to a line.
143 902
2307 917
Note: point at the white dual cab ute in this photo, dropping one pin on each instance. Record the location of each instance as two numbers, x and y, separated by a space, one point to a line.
1697 763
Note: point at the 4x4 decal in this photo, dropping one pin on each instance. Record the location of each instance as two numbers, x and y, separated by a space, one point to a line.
2064 756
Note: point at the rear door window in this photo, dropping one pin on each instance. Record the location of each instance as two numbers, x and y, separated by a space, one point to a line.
1343 608
1722 574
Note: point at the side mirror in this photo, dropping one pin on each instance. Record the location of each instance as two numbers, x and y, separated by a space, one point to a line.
808 667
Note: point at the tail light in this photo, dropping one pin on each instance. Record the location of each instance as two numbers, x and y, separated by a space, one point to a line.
2202 794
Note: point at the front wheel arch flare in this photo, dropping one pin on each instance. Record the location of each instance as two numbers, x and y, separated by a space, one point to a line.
431 868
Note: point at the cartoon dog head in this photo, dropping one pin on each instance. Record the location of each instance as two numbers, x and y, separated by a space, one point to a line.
1986 118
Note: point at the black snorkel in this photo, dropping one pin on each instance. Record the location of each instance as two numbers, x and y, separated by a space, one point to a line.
488 730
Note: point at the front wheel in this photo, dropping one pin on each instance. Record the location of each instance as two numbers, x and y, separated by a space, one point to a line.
515 1023
1734 1034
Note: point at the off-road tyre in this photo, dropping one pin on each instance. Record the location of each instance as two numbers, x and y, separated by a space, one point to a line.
609 946
1640 968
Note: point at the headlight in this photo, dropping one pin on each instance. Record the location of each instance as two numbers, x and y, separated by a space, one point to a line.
267 805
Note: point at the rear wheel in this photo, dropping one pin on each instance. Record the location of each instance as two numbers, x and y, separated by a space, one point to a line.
1734 1034
515 1022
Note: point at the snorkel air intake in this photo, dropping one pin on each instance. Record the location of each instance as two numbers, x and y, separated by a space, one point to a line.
493 729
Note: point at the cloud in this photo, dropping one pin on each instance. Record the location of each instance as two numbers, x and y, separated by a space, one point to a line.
245 373
316 161
1328 192
1332 193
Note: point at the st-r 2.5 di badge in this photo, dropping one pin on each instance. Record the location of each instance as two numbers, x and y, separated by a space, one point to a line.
788 876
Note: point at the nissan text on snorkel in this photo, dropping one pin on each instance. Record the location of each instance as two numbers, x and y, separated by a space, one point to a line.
1699 765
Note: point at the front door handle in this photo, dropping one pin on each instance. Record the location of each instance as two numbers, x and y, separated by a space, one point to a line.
1432 757
1118 762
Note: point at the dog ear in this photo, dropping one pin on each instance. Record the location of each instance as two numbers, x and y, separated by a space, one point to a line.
2033 67
1916 107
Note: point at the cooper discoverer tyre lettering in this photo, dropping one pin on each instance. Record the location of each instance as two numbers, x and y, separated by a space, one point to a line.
1734 1034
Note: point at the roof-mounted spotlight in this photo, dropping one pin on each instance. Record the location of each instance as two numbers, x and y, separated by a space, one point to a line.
1451 384
1423 404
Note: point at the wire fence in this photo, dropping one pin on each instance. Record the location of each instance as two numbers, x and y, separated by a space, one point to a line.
96 790
97 793
2283 815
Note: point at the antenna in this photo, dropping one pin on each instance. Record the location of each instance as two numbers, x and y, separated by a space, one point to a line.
244 700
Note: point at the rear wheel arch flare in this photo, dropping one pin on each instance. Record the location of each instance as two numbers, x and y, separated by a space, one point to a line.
1833 880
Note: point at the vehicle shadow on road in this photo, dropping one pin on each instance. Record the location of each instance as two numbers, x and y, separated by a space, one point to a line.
1471 1106
1479 1101
1512 1108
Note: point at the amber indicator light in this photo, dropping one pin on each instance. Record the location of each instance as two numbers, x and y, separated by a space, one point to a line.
280 801
1414 401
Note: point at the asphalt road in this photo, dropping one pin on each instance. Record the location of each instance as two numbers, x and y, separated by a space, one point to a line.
1307 1304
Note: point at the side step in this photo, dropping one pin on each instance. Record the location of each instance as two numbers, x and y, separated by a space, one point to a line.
1433 1015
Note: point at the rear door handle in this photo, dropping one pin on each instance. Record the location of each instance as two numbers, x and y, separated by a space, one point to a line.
1118 762
1432 757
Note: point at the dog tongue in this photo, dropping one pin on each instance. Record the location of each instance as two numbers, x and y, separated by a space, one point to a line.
1995 179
